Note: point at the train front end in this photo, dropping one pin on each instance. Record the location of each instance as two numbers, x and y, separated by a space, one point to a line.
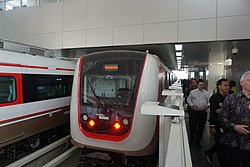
106 102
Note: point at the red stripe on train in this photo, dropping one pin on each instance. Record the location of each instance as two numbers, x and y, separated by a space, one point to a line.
65 69
8 64
39 67
35 67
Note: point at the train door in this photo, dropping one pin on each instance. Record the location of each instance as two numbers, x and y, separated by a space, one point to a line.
11 98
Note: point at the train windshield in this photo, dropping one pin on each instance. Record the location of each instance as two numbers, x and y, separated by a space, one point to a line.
109 85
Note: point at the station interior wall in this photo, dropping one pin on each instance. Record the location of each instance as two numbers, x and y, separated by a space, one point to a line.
91 23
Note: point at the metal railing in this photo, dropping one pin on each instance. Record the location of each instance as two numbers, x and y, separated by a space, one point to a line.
13 46
18 47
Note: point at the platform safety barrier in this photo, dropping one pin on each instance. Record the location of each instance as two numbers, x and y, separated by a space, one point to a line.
173 141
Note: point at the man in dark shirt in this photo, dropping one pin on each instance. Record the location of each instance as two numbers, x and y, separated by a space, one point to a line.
216 102
192 86
235 120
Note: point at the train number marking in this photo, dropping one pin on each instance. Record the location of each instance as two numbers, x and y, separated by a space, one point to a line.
102 117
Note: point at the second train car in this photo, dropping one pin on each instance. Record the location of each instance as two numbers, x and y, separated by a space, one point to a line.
108 91
34 97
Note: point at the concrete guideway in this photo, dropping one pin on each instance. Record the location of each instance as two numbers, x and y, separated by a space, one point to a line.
45 154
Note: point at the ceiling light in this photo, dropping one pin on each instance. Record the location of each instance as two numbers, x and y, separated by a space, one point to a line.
178 53
178 58
178 61
228 62
178 47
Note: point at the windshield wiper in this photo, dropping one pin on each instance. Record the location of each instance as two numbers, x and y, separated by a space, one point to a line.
97 97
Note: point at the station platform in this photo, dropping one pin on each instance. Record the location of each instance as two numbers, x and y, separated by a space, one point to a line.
197 154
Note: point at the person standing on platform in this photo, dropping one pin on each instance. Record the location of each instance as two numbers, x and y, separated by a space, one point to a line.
198 101
192 86
235 120
232 86
216 102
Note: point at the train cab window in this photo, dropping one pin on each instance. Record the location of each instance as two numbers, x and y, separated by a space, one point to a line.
105 87
111 82
7 89
118 88
50 87
108 87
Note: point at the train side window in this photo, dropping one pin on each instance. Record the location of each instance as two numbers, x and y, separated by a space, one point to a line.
50 87
7 89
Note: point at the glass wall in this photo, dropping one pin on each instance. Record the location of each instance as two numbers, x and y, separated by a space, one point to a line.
14 4
1 5
27 3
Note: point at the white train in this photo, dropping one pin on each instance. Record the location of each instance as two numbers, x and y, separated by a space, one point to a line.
34 96
108 91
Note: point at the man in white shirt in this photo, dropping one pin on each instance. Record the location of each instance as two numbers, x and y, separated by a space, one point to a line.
198 100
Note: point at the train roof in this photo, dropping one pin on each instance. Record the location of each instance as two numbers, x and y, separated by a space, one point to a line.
13 59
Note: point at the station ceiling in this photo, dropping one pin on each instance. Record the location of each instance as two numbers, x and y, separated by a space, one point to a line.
196 54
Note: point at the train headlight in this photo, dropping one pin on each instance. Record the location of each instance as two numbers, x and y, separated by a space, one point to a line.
91 123
125 122
85 117
117 126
